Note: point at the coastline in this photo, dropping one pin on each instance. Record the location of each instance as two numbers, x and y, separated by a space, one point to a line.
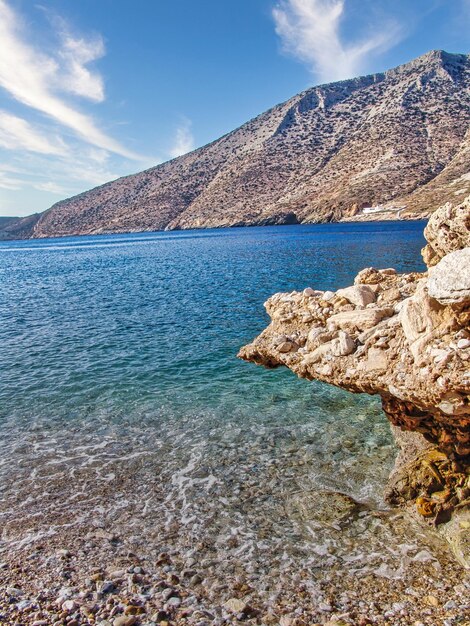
406 338
105 566
273 502
349 220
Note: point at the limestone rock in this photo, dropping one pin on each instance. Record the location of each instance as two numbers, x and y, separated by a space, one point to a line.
373 276
411 345
448 230
343 344
358 319
449 280
360 295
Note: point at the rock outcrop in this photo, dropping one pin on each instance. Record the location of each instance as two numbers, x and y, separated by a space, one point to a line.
407 338
396 138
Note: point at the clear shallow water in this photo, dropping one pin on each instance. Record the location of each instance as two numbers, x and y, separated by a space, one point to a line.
122 401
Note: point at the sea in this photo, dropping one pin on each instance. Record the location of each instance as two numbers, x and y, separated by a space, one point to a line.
123 404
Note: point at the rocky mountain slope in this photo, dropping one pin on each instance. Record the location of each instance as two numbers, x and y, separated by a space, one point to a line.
399 137
407 338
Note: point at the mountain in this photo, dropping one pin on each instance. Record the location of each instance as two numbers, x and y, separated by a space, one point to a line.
18 227
400 137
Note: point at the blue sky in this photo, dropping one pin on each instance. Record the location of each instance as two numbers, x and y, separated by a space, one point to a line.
94 89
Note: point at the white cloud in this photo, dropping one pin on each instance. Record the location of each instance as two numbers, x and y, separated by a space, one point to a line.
72 175
18 134
184 140
310 31
32 77
78 78
75 54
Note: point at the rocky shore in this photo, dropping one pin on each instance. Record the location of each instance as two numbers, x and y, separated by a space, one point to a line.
406 338
113 570
170 517
242 534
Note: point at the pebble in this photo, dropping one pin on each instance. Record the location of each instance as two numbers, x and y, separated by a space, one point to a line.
24 604
69 606
431 600
132 609
125 620
451 604
234 605
196 580
108 586
160 616
14 592
168 593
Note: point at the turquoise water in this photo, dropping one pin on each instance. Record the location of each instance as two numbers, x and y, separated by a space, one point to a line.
115 321
118 365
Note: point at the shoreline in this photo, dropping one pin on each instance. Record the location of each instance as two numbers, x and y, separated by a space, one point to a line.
103 577
365 220
142 489
131 541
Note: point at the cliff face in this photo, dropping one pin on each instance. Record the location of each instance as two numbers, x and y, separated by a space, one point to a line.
407 338
399 137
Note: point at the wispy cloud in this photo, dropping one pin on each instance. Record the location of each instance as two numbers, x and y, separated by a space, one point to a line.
184 140
57 175
51 187
35 79
310 31
9 182
78 78
18 134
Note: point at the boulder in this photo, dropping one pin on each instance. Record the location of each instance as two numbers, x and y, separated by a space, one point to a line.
411 345
359 319
359 295
448 230
449 280
343 344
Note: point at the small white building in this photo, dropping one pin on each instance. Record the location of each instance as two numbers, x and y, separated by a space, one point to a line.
377 209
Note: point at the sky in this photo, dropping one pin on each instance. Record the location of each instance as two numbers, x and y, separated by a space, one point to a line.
91 90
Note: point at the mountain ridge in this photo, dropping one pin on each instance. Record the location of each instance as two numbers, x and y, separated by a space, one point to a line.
396 137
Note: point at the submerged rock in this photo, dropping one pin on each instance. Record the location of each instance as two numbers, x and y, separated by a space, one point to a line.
406 338
321 507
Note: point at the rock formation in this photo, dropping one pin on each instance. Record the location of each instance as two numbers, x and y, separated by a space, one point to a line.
407 338
400 137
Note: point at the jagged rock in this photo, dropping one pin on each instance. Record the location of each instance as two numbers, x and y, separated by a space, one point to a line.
358 319
411 345
449 280
421 317
360 295
448 230
373 276
343 344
